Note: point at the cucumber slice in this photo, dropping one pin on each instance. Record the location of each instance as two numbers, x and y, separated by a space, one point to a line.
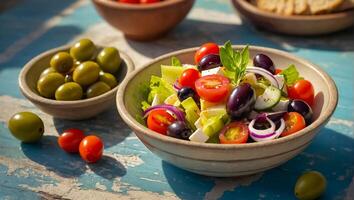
268 99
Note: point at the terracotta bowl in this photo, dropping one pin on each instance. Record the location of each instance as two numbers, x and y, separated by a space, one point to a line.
144 21
73 110
297 24
226 160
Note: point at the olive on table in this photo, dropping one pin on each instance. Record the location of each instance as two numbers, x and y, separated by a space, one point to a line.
241 100
186 92
83 50
26 127
62 62
109 60
109 79
209 61
86 73
310 185
300 106
69 92
96 89
263 61
48 84
179 129
47 71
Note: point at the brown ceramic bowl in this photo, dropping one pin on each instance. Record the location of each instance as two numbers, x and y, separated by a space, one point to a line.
73 110
226 160
144 21
296 24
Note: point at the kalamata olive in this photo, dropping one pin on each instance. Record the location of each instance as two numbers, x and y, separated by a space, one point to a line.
186 92
209 61
179 129
263 61
241 100
310 185
300 106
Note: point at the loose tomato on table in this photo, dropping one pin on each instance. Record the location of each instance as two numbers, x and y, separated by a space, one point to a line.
70 140
293 122
159 120
213 88
205 49
302 89
91 148
188 78
234 133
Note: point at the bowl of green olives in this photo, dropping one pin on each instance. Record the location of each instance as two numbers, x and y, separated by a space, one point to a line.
75 81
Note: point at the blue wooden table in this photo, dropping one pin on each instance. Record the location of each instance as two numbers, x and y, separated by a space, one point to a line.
128 170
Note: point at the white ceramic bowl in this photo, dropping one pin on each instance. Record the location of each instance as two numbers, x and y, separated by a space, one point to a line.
235 159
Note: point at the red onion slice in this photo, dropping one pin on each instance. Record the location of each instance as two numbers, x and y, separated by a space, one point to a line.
269 76
270 136
177 112
177 86
261 133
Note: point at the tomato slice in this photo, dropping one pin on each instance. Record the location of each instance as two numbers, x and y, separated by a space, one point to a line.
188 78
302 89
159 120
234 133
293 122
205 49
213 88
278 71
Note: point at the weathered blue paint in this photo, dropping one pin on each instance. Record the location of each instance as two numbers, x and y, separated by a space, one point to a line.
128 162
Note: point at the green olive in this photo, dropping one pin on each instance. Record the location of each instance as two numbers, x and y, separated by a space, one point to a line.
310 185
62 62
47 71
109 79
109 60
26 127
69 92
97 89
87 73
48 84
83 50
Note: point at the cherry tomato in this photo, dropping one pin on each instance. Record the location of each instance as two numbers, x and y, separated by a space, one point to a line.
205 49
70 140
293 122
234 133
278 71
149 1
159 120
213 88
188 78
91 148
302 89
129 1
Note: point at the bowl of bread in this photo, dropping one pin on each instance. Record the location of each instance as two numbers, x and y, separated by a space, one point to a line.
298 17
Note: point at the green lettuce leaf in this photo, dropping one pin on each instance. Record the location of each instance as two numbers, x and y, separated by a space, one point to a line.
161 87
291 75
175 62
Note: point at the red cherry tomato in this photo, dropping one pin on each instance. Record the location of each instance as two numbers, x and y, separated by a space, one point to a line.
159 120
188 78
234 133
213 88
129 1
294 122
278 71
91 148
149 1
70 140
205 49
302 89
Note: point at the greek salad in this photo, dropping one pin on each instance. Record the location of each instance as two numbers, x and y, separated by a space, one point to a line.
227 97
